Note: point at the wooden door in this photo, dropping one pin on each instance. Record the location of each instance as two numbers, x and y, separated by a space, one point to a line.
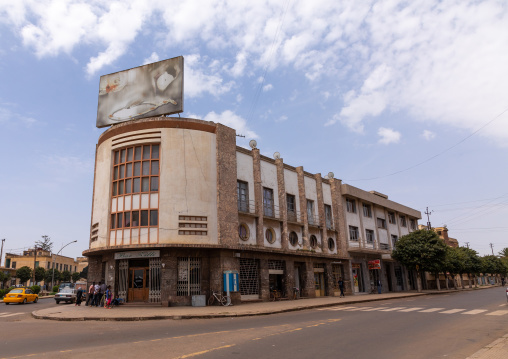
138 285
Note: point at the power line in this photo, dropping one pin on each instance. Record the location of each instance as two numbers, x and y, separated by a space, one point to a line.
436 155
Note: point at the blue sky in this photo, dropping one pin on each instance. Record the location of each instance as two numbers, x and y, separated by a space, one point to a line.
363 89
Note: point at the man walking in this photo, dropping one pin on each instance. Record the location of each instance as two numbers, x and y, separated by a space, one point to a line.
89 295
341 287
96 295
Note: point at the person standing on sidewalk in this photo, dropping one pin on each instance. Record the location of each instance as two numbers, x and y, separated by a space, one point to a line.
379 286
341 287
89 295
96 295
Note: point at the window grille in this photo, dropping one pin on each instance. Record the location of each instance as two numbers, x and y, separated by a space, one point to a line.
189 276
123 271
328 216
337 273
249 276
154 292
277 265
353 233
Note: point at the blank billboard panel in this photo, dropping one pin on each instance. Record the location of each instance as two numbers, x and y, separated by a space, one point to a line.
146 91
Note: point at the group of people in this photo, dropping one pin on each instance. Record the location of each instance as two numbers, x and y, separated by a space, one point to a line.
95 294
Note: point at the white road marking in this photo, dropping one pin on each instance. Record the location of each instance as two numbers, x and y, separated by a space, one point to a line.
358 308
452 311
336 308
498 312
431 310
378 308
410 309
9 315
475 311
391 309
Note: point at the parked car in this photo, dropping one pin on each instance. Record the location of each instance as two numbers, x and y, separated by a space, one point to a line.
21 295
66 294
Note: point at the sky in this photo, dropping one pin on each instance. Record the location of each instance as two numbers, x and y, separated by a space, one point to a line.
408 98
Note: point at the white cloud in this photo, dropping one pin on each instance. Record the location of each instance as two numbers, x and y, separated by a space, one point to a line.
437 61
388 136
198 82
154 57
239 98
8 117
66 168
428 135
230 119
267 87
282 118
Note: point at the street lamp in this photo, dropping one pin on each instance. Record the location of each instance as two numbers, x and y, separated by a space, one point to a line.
54 258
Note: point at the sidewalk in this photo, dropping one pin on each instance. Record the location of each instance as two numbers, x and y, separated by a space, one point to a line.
66 312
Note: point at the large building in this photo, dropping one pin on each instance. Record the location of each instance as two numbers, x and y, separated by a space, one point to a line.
176 204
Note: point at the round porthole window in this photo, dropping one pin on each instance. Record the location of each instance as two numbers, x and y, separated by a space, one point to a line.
331 244
293 238
270 235
313 241
243 231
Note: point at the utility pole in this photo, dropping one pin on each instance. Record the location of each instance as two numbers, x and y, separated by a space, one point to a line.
2 251
467 244
492 247
35 260
429 227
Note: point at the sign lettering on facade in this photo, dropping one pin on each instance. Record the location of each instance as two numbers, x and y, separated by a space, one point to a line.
138 254
375 264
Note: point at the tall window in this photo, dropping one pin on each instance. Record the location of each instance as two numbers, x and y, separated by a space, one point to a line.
310 212
381 223
412 223
135 170
328 216
351 205
391 217
242 190
291 203
394 240
403 221
353 233
268 209
367 210
369 236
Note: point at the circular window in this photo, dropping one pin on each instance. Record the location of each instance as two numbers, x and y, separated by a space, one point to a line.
293 238
243 231
270 235
313 241
331 244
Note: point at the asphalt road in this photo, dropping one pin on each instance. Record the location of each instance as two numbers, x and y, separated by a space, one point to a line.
438 326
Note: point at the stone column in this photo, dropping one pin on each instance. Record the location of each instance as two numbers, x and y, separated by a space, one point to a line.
227 205
321 211
303 206
258 197
264 280
282 203
339 217
94 269
166 280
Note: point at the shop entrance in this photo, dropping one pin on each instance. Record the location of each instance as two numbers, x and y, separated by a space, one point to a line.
138 284
319 282
357 277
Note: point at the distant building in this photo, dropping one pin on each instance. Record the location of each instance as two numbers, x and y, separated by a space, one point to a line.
176 204
442 232
43 259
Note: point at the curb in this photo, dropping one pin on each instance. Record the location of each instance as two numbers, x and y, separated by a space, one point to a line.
236 315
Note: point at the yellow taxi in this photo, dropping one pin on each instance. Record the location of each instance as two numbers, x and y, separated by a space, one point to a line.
20 295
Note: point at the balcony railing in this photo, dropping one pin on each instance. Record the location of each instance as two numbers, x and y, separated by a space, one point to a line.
271 211
294 216
313 220
247 206
384 246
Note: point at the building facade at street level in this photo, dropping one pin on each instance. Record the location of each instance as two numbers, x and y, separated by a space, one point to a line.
176 204
43 259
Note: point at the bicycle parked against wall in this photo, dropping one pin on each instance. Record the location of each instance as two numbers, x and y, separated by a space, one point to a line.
296 294
219 298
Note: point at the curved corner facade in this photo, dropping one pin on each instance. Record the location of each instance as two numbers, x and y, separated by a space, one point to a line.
177 205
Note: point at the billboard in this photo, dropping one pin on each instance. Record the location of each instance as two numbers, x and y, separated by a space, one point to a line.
146 91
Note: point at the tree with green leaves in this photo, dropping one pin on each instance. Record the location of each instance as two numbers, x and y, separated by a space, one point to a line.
453 264
49 276
504 252
24 274
84 272
420 251
45 243
40 274
472 263
66 276
75 276
4 277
